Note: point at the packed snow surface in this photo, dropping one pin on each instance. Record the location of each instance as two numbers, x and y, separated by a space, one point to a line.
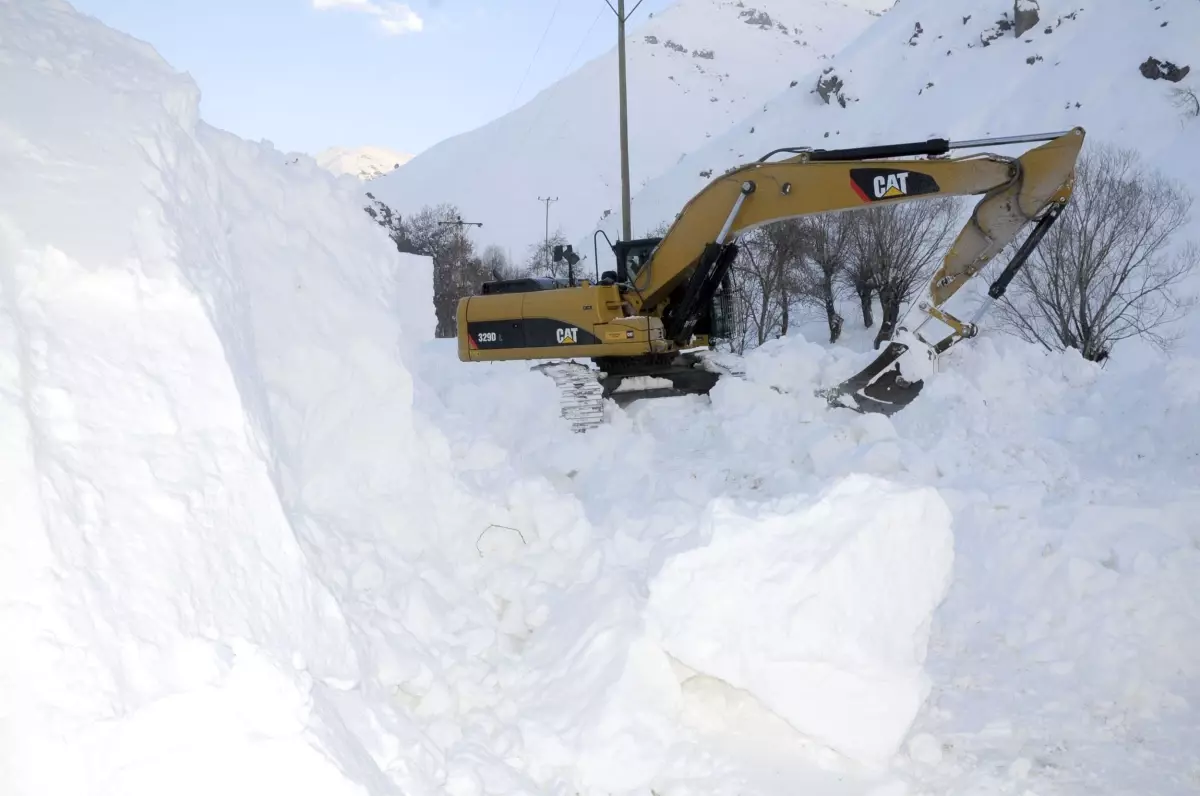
259 534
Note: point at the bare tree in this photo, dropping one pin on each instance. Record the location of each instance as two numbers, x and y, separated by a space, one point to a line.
457 270
497 265
766 263
896 248
742 310
829 246
540 257
859 277
659 231
1103 272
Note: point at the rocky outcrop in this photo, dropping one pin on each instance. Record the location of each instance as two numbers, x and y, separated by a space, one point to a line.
1154 69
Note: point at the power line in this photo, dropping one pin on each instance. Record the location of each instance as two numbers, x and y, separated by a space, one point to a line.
542 41
566 69
582 42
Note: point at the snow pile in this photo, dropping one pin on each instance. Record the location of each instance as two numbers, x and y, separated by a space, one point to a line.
822 612
1063 658
695 70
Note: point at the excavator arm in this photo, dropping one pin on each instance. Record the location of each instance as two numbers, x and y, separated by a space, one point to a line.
1015 191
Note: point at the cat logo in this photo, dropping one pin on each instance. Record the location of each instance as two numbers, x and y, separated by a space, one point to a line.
569 334
889 185
872 185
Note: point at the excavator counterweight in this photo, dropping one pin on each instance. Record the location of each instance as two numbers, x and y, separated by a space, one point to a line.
668 295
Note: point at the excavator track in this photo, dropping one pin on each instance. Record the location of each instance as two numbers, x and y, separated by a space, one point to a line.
583 389
581 396
626 380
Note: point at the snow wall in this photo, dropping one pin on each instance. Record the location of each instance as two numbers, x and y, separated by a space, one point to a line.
235 556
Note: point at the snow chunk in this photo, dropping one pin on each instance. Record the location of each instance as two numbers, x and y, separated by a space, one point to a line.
820 609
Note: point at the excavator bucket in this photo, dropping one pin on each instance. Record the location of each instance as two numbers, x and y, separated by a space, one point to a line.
878 388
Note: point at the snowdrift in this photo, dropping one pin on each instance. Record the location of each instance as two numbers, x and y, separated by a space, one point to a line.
246 547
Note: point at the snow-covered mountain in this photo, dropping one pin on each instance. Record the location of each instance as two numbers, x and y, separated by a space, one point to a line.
695 70
364 162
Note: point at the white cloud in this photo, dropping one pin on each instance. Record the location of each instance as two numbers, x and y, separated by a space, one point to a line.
394 18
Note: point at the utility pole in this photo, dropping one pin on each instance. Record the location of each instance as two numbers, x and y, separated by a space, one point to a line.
546 247
622 18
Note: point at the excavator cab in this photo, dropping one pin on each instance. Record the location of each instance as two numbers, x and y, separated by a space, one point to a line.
632 256
714 321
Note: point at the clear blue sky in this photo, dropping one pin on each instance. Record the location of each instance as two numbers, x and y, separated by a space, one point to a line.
307 74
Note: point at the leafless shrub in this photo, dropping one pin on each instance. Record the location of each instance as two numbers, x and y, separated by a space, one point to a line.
1104 273
1186 100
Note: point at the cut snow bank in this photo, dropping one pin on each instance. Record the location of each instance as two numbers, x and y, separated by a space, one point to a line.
207 438
820 611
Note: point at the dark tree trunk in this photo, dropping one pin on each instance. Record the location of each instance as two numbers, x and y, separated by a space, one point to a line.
447 322
864 299
889 300
831 313
785 300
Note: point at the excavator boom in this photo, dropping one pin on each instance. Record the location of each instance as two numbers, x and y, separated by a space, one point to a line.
1015 191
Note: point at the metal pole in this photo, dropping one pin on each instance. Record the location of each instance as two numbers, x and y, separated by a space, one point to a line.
546 243
626 225
622 18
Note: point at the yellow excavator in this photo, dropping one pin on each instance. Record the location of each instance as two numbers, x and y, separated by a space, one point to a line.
668 296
